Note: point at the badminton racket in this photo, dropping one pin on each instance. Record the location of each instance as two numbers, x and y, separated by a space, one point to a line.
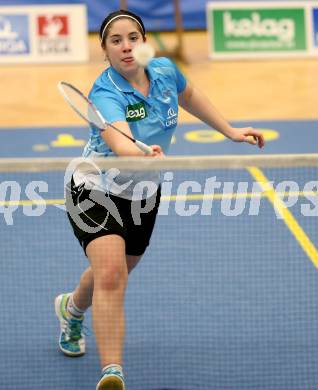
87 111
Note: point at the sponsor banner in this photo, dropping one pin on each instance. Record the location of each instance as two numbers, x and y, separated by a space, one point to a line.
14 36
50 34
261 30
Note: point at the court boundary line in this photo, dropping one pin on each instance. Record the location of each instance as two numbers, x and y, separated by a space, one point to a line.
288 218
268 192
193 121
173 198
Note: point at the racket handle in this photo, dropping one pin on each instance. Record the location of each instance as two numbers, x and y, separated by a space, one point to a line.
145 148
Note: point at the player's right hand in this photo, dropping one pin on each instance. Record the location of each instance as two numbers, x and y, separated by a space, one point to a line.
156 151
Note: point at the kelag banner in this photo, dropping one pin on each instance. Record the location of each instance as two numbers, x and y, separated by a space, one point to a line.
158 15
262 29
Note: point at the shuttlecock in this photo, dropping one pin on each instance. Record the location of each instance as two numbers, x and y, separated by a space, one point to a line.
143 53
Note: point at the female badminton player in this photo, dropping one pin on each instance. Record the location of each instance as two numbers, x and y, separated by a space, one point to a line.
141 99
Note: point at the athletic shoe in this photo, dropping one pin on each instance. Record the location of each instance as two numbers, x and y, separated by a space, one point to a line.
72 338
111 379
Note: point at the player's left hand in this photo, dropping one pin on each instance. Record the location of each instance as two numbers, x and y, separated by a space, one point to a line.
249 135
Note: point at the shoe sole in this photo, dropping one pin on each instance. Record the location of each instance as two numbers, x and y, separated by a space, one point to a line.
111 383
57 303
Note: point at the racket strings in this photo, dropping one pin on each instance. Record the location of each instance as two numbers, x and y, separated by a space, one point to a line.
82 105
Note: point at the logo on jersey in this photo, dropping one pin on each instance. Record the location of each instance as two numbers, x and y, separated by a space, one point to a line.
136 112
166 96
172 117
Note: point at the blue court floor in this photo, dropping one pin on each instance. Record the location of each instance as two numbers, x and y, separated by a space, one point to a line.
219 302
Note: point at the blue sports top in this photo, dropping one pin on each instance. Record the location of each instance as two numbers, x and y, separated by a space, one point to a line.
152 119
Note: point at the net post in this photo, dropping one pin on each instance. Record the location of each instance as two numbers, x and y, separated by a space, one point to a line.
179 29
178 51
123 4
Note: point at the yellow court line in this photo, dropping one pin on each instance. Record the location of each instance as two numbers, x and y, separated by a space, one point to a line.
164 198
235 195
290 221
48 202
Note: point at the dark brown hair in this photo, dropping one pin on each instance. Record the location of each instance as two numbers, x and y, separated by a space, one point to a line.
107 22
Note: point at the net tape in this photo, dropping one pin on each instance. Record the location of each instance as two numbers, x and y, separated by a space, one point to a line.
172 162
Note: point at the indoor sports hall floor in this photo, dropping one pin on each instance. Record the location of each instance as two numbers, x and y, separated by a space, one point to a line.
219 302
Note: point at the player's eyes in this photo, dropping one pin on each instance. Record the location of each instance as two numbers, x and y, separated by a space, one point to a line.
117 41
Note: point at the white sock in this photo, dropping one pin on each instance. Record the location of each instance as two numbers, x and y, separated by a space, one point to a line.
73 309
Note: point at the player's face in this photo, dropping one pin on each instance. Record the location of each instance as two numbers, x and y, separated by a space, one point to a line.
122 37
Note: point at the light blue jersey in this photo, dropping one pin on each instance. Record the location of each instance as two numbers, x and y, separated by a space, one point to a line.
152 120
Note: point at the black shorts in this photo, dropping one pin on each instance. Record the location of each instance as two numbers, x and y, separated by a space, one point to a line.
94 214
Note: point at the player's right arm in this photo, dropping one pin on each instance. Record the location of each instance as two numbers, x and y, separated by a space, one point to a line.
121 145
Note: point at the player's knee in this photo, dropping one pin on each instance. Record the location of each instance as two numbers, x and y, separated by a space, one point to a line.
111 278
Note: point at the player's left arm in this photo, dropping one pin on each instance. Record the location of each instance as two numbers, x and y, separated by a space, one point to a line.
197 104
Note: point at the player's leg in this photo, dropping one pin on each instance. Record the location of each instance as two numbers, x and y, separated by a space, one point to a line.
83 293
70 309
132 261
108 263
